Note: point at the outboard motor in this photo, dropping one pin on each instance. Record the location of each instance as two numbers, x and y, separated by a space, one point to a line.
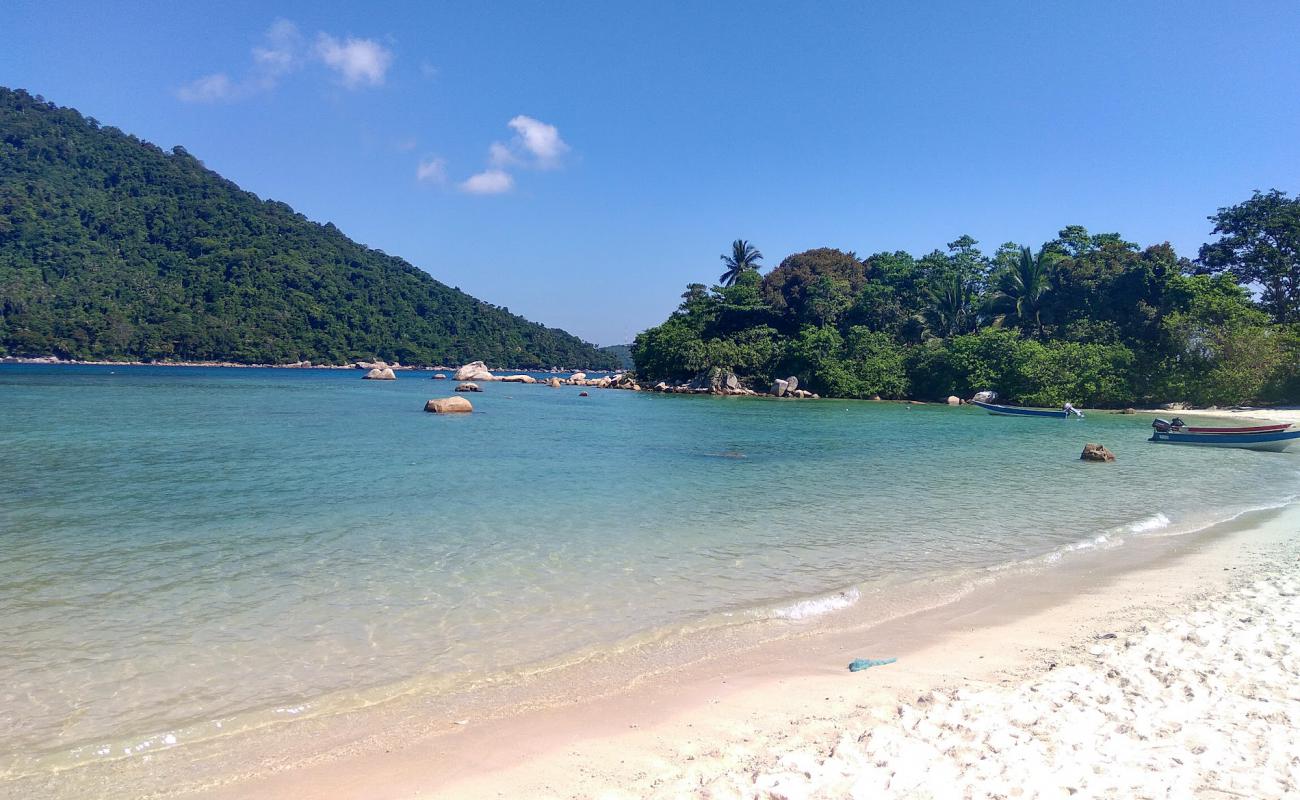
1162 425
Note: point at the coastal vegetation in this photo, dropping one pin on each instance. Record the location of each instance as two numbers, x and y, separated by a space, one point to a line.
1087 318
112 248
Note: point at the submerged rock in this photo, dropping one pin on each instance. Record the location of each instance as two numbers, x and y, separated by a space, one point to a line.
1096 452
468 387
448 405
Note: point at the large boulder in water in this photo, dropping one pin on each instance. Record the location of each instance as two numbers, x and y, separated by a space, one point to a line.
378 374
448 405
954 400
519 379
468 387
474 371
1096 452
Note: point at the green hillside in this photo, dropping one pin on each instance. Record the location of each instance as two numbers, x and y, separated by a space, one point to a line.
111 248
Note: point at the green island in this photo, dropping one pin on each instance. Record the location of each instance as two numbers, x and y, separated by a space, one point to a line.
113 249
1086 318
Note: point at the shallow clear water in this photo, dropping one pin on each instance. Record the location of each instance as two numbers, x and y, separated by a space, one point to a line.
186 548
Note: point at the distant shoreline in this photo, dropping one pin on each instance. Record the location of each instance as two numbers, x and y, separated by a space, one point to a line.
56 361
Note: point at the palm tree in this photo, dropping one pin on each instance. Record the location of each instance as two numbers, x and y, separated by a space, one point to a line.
744 256
952 310
1021 291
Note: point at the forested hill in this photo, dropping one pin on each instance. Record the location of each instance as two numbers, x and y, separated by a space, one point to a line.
111 248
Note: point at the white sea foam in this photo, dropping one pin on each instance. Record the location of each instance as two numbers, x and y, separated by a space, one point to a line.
1087 544
1152 523
817 606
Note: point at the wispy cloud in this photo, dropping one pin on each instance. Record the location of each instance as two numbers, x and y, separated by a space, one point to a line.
490 181
359 62
215 88
432 170
283 50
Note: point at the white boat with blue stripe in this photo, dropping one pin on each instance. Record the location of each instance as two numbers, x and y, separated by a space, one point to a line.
1017 411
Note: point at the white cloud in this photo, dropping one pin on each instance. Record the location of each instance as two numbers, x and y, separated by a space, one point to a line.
432 170
491 181
215 88
540 139
428 70
360 62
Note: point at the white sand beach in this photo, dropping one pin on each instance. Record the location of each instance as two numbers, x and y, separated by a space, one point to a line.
1177 677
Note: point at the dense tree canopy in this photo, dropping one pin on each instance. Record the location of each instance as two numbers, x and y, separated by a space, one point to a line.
111 248
1090 319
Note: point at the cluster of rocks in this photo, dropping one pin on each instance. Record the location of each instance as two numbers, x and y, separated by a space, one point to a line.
722 382
379 371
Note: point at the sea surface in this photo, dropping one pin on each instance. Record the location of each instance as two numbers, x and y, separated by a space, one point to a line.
191 552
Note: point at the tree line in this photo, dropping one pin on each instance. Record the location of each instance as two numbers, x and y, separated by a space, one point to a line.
111 248
1088 318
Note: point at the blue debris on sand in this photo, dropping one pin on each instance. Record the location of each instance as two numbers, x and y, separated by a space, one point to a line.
859 664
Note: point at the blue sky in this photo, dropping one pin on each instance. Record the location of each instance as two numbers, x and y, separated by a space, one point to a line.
580 163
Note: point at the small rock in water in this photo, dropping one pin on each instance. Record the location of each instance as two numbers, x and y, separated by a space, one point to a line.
1096 452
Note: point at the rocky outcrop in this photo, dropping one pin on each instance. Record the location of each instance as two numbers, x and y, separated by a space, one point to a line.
448 405
519 379
779 387
474 371
554 383
954 400
577 376
468 387
380 374
791 384
1096 452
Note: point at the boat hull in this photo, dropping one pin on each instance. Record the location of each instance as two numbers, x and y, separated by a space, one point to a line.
1247 430
1013 411
1275 442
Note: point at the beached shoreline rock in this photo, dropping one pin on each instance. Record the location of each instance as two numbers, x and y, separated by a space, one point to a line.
474 371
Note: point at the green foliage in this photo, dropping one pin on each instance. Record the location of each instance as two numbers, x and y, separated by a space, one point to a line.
111 248
1259 243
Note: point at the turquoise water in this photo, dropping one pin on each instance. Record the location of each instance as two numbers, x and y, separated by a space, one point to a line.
188 550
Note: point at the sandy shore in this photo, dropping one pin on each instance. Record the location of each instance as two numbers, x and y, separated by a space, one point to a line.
1163 671
1291 415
